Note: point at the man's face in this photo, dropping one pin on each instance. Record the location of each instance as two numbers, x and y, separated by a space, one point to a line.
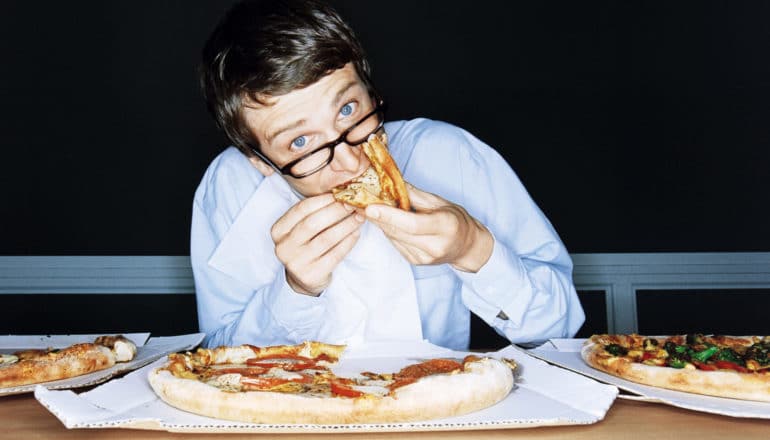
300 121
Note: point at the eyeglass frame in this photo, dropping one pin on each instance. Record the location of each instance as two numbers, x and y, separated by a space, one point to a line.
286 169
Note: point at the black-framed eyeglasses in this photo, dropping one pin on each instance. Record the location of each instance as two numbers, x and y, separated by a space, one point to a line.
315 160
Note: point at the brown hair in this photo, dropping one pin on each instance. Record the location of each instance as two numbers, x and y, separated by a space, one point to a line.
271 48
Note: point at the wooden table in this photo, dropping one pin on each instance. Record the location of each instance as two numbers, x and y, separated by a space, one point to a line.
22 417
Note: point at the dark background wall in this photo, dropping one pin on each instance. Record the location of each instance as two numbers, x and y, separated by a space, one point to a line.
638 127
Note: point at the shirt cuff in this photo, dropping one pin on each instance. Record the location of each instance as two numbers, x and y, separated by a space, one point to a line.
501 285
295 312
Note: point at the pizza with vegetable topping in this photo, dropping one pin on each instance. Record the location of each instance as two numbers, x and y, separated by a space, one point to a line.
297 384
714 365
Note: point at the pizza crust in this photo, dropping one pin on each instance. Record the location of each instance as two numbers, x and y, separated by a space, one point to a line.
72 361
44 365
391 181
485 383
721 383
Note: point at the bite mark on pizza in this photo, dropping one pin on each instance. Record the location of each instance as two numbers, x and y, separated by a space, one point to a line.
292 384
381 183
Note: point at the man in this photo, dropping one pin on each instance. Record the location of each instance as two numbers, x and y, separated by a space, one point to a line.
277 260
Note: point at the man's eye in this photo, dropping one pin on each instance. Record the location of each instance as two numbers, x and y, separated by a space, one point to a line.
299 142
348 109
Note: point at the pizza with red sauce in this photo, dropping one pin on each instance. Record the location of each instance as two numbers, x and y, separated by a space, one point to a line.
297 384
716 365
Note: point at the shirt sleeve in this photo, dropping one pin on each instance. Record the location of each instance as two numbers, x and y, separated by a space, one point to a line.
525 290
233 310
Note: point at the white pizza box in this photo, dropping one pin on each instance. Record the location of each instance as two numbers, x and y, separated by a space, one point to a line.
148 350
544 396
566 353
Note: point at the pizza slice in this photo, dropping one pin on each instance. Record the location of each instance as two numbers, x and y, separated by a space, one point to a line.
380 183
36 366
298 384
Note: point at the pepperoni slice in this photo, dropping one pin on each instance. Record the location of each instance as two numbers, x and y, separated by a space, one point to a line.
340 389
412 373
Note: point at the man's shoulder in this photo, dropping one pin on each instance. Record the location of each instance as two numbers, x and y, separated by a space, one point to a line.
426 139
231 167
415 138
421 130
229 175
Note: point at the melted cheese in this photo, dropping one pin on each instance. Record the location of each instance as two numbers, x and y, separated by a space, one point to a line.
230 381
374 390
282 374
7 359
124 351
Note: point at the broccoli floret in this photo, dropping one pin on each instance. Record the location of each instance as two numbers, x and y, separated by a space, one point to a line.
760 352
704 355
676 362
674 349
728 354
616 350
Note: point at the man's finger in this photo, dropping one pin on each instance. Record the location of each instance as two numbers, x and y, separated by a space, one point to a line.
298 212
423 200
328 261
394 221
333 235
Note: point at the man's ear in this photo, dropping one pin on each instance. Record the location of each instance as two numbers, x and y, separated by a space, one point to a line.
261 166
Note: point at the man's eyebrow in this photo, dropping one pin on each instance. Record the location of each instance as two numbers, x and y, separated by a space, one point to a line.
342 91
337 98
272 135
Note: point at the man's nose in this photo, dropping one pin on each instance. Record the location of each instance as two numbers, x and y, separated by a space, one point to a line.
346 158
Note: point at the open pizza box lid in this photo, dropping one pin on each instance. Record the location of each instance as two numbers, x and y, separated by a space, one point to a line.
566 353
544 396
148 350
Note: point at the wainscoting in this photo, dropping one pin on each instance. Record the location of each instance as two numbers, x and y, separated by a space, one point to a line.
649 293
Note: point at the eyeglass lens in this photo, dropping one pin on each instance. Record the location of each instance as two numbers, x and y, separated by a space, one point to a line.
320 158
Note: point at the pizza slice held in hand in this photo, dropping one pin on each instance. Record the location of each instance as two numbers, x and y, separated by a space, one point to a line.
380 183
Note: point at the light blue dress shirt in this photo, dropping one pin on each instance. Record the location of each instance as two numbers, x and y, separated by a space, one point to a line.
525 290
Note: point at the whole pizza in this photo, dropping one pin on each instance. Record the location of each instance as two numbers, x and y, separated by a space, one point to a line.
714 365
296 384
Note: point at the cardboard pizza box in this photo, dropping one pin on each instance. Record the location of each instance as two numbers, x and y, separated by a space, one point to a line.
543 396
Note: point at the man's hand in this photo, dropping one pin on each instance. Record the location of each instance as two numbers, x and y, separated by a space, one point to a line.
311 238
437 232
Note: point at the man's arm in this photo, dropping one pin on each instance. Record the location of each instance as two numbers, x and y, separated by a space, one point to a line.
241 287
233 311
524 287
